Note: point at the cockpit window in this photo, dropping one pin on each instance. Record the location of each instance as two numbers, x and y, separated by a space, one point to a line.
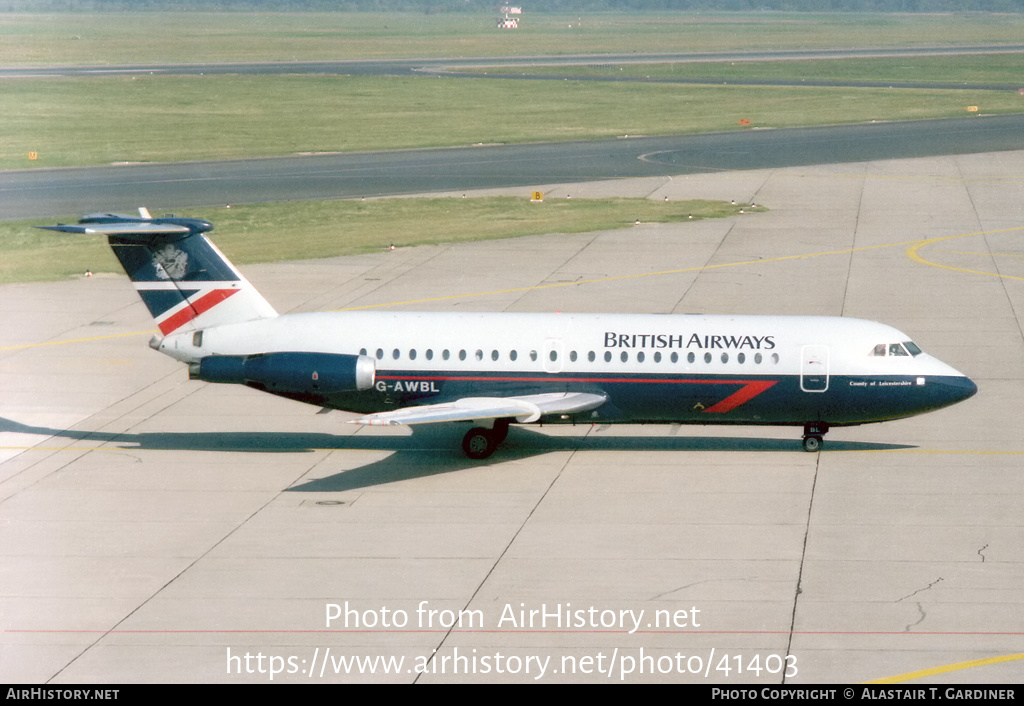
907 348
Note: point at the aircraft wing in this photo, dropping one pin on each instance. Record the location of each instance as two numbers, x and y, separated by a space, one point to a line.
524 409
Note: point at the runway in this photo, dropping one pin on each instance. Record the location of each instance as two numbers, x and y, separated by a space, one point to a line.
155 529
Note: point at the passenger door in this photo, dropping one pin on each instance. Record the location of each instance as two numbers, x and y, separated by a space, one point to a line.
814 368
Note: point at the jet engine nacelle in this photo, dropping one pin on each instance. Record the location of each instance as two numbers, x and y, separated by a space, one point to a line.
289 373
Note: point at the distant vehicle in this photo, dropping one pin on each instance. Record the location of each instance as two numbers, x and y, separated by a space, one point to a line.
491 370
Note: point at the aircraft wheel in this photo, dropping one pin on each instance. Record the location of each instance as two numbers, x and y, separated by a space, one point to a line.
479 443
812 443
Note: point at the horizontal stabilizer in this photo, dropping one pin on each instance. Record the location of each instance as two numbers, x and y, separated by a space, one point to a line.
125 231
524 409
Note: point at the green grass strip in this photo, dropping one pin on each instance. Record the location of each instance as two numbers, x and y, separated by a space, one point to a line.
73 122
1000 69
318 229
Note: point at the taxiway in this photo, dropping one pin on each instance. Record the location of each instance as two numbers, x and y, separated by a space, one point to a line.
154 529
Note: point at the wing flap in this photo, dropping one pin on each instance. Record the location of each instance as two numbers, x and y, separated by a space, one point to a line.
524 409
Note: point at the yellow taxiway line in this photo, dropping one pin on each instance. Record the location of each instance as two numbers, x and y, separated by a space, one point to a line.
921 674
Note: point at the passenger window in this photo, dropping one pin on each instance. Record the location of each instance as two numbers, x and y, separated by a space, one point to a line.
640 357
362 351
412 354
741 358
512 355
758 358
591 357
533 355
572 356
553 355
380 354
494 355
657 357
479 354
674 358
430 354
775 358
396 353
725 357
607 356
445 354
624 356
462 354
690 357
707 357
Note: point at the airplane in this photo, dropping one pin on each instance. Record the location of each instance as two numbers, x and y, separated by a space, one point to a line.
495 369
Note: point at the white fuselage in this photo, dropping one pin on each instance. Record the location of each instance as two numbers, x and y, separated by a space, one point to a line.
719 366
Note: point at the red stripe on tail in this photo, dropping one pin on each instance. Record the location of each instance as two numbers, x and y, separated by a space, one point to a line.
194 309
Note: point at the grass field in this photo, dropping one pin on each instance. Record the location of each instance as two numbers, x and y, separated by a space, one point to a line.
69 122
291 231
140 118
1003 69
99 120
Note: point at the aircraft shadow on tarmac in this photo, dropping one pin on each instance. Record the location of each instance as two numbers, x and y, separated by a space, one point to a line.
427 451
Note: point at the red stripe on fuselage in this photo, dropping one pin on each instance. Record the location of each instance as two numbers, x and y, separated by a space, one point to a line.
194 309
750 390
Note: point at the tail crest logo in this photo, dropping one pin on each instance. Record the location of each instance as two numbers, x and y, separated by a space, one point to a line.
170 262
183 279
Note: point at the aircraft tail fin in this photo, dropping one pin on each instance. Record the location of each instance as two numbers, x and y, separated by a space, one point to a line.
184 280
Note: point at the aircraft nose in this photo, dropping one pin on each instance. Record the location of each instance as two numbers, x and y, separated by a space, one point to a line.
956 388
965 387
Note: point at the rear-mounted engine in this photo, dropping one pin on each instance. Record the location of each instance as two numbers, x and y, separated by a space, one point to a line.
288 372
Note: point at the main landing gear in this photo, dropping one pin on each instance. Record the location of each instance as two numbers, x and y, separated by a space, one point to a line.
813 434
479 443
